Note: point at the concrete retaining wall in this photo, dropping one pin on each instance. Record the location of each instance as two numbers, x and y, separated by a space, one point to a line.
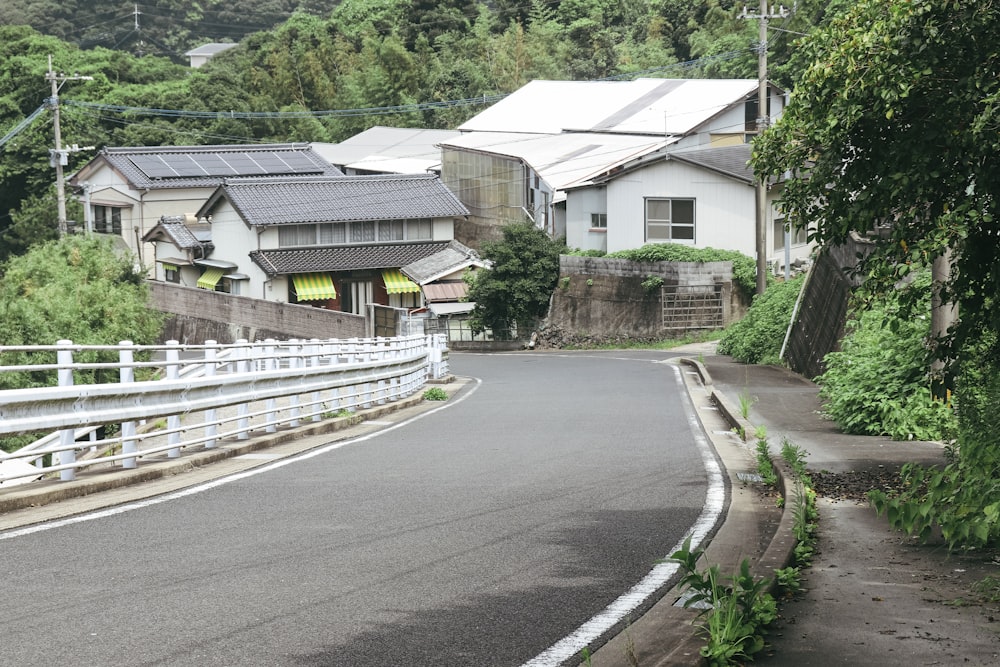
196 315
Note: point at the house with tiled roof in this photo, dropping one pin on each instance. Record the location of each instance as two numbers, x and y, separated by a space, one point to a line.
333 242
127 191
703 197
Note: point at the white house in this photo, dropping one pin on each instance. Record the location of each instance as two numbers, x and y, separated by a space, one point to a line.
518 158
703 197
332 242
126 191
200 55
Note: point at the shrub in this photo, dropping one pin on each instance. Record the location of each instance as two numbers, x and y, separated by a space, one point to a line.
757 338
878 383
744 268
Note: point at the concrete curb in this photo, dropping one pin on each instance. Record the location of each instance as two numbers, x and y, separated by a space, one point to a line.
665 635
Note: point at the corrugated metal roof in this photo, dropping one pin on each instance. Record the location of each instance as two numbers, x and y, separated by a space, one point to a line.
643 106
343 258
563 159
444 292
264 202
388 149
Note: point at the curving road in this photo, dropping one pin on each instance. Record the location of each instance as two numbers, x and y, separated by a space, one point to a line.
481 534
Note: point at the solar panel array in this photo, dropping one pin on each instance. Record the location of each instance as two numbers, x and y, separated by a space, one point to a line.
243 163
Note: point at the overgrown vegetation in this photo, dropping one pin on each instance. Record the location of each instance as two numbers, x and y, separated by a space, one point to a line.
878 382
744 268
74 289
736 608
961 499
757 338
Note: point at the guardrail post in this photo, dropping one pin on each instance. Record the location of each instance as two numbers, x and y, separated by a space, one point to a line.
294 363
211 425
271 419
126 374
67 436
173 421
242 364
313 351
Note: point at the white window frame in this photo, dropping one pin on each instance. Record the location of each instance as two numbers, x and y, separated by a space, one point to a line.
668 223
598 220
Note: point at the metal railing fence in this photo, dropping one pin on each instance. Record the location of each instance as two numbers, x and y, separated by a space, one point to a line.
205 393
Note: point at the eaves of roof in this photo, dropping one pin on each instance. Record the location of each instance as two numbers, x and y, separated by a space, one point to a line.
343 258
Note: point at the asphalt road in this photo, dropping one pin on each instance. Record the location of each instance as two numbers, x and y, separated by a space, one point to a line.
481 534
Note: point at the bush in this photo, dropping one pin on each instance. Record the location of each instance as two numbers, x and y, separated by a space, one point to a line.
878 382
963 498
757 338
744 268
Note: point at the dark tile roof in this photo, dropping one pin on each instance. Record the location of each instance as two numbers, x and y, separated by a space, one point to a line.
277 201
453 257
728 160
177 230
343 258
266 159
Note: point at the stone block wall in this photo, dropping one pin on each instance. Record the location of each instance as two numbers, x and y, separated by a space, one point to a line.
603 300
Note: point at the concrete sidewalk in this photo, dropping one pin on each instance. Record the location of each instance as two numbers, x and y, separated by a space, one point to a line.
873 596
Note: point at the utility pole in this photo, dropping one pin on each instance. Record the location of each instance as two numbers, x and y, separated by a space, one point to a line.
763 121
59 157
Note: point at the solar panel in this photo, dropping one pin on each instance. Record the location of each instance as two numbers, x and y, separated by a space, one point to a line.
237 163
152 166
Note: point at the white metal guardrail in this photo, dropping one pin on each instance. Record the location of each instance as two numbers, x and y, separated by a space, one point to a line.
207 393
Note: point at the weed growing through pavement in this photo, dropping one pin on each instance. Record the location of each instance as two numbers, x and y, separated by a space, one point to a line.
737 608
746 402
435 394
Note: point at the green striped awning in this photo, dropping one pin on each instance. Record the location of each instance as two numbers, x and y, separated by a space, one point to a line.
210 278
169 267
313 286
397 283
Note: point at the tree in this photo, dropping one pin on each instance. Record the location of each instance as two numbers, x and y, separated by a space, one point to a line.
515 290
75 288
893 126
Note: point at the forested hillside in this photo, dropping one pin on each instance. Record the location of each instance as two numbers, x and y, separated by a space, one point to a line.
309 71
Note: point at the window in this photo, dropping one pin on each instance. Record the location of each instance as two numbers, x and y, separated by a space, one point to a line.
598 220
419 230
390 230
799 236
107 220
363 231
171 273
296 235
331 233
669 220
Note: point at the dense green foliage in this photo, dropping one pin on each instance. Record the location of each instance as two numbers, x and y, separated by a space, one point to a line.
514 292
744 268
962 499
878 383
757 338
898 109
74 289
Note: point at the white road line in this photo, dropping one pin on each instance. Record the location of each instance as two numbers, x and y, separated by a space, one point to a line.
618 610
190 491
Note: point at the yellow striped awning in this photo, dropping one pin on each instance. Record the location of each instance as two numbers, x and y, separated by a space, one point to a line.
397 283
210 278
313 286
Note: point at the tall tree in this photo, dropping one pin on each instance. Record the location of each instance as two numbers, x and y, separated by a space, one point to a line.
893 126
